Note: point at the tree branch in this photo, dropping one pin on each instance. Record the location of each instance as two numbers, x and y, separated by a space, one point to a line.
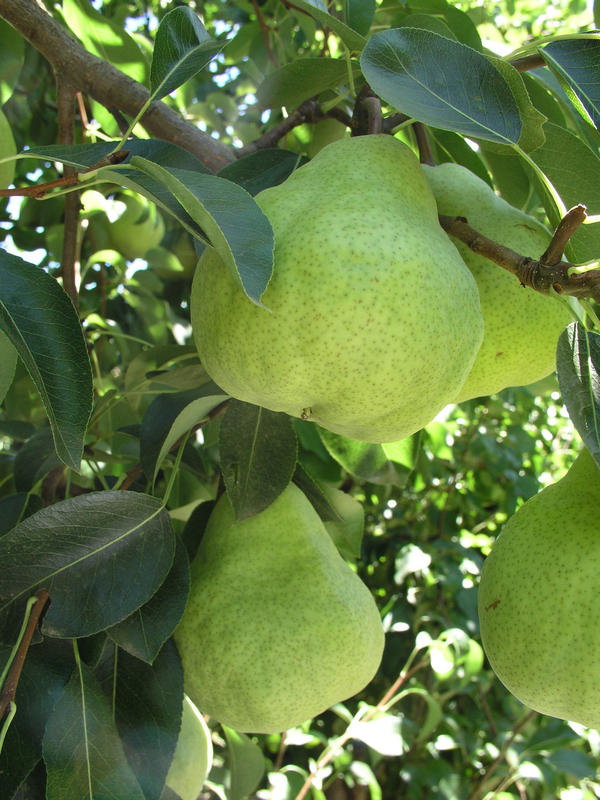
106 84
544 274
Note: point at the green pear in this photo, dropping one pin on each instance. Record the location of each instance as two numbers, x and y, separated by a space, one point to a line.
371 320
521 326
277 627
539 604
137 228
8 148
192 759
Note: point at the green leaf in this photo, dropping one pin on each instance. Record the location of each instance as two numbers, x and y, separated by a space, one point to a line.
105 38
246 764
234 224
12 56
258 456
147 712
8 362
182 48
362 459
384 733
47 665
574 171
100 556
578 367
442 83
532 134
16 507
83 754
169 417
262 169
347 531
34 460
316 494
300 80
39 319
359 15
318 10
145 631
576 62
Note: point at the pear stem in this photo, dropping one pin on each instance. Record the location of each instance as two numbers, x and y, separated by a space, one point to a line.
546 274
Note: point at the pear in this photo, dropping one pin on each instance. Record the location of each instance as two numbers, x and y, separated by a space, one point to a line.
277 627
521 326
371 321
137 227
539 604
192 759
7 148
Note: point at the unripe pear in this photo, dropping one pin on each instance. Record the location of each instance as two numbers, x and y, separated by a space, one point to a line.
371 321
277 627
193 755
539 604
522 326
138 228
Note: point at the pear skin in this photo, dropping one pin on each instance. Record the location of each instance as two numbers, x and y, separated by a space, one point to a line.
277 627
371 320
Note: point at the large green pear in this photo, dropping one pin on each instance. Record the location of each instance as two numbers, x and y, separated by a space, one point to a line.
521 326
193 755
539 599
277 627
371 319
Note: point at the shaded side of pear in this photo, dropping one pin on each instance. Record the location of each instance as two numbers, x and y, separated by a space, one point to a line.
521 326
539 599
372 320
278 627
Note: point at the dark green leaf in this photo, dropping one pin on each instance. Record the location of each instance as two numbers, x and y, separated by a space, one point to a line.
35 459
580 765
441 83
148 712
195 526
258 456
362 459
234 224
316 495
144 632
169 417
577 64
182 48
100 556
262 169
578 367
12 55
246 764
16 507
83 754
299 80
45 672
41 322
8 362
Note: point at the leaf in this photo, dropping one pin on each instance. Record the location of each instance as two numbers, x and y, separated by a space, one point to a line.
359 15
8 363
258 456
347 532
169 417
100 556
12 56
15 507
182 48
318 10
442 83
234 224
576 62
362 459
316 494
532 134
574 171
578 367
105 39
47 665
246 764
34 460
145 631
262 169
300 80
385 734
83 754
148 708
39 319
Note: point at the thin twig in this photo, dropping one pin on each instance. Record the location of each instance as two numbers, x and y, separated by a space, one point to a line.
265 33
309 111
423 143
9 689
528 62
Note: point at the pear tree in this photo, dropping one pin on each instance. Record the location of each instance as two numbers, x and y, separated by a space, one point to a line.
299 400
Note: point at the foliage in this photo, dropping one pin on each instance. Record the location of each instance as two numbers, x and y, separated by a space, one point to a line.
114 442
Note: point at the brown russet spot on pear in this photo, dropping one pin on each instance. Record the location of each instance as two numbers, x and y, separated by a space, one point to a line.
371 318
